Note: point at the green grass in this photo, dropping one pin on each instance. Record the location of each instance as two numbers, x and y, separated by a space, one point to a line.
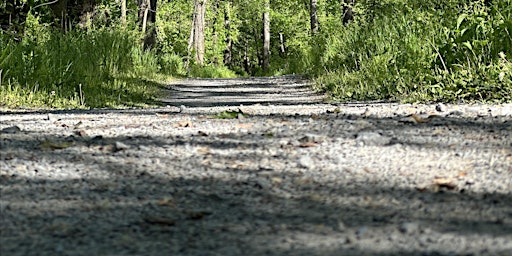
414 51
79 69
400 50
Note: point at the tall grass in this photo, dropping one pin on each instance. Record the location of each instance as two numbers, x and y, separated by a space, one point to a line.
417 50
75 69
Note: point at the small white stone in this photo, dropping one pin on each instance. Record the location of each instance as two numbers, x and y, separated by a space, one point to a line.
306 162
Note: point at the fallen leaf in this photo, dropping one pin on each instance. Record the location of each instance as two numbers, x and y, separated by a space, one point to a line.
244 126
81 133
55 145
204 151
162 115
166 202
230 114
197 215
419 119
315 116
183 124
78 125
159 220
308 144
276 180
422 189
443 182
367 113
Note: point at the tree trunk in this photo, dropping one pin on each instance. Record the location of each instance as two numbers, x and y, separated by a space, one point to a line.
147 17
282 47
229 42
215 36
123 12
313 16
247 60
266 36
198 27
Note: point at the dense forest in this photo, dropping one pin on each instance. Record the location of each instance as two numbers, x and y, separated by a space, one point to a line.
112 53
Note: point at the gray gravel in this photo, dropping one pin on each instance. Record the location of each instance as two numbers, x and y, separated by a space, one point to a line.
281 179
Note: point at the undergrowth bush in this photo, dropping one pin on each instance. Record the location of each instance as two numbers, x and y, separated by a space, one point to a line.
76 69
418 51
211 71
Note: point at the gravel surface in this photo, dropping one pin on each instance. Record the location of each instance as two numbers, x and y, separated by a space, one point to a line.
281 178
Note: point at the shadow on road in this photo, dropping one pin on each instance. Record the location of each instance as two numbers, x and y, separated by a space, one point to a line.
284 90
139 210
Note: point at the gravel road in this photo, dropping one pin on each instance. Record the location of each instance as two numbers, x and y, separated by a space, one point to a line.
288 175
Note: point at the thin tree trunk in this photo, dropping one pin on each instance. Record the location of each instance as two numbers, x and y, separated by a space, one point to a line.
215 36
229 43
199 26
147 16
282 47
247 60
123 12
313 16
266 36
191 39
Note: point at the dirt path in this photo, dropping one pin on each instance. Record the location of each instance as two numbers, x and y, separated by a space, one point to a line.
287 176
285 90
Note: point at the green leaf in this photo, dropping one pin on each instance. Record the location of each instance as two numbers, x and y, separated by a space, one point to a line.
229 114
468 45
460 19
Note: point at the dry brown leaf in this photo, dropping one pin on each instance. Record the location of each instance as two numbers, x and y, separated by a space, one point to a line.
367 170
244 126
55 145
421 189
166 202
197 215
78 125
162 115
183 124
462 174
276 180
419 119
308 144
204 151
443 182
81 133
159 220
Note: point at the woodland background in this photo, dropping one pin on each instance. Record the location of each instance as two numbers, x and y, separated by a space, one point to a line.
118 53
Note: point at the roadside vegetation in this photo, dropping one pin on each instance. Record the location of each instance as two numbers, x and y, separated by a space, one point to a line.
419 51
91 54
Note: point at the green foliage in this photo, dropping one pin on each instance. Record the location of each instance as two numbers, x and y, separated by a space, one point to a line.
78 68
418 51
409 50
211 71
